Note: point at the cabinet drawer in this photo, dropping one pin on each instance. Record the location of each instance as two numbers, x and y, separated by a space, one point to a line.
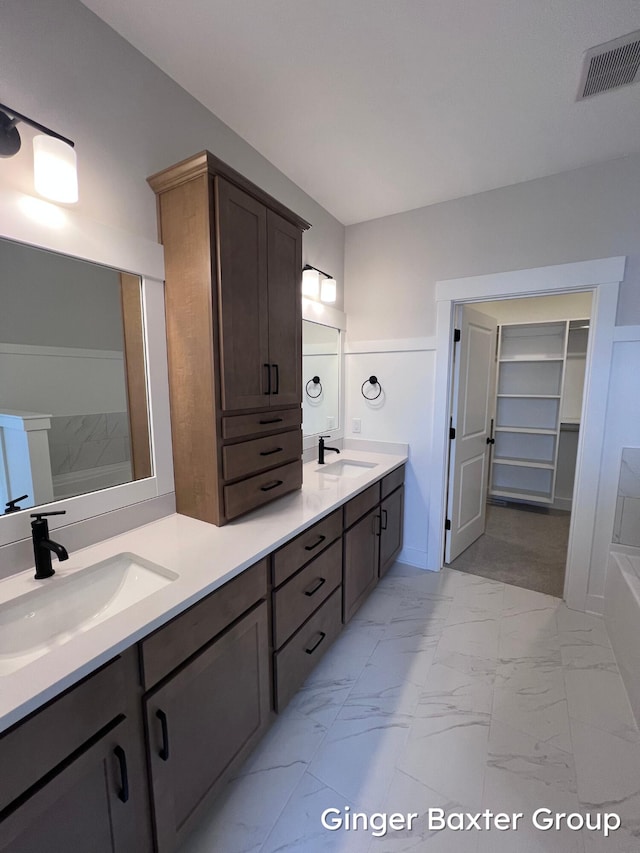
361 504
172 644
304 547
294 602
296 660
261 423
251 457
256 491
391 482
39 743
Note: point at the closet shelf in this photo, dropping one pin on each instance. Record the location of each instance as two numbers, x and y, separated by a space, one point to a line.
521 494
530 430
532 358
523 463
531 396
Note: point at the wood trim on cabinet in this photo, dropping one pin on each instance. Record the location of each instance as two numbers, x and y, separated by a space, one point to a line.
206 163
135 375
192 335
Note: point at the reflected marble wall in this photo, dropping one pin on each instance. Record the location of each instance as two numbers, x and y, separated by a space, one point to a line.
80 442
626 527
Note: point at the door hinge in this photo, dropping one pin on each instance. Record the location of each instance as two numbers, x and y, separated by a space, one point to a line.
447 524
456 335
452 432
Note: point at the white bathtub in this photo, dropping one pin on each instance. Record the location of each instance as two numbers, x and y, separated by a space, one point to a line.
622 616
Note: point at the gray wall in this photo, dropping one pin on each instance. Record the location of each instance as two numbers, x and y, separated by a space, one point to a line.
393 263
67 69
52 301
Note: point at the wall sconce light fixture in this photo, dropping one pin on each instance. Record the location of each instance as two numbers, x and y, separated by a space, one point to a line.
313 288
54 159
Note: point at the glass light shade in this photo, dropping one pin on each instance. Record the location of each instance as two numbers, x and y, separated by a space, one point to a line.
54 169
311 283
328 290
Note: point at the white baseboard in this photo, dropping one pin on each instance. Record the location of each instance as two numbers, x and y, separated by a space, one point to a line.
563 504
595 604
414 557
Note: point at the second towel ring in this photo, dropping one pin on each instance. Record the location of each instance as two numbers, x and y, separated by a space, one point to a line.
372 380
315 381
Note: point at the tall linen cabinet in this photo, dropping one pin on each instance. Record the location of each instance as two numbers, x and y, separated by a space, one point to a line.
233 267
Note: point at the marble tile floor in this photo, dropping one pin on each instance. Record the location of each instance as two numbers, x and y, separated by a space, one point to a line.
445 691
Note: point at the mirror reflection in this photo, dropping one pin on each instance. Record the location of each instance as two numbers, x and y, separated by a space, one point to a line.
320 378
73 405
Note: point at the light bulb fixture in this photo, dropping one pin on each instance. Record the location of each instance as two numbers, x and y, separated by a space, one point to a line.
54 158
326 289
310 283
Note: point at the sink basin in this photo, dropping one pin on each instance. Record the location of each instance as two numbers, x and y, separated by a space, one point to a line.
37 616
349 468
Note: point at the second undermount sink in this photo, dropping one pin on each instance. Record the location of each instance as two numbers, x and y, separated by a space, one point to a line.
37 616
349 468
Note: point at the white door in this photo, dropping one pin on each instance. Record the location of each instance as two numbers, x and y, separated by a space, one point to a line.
472 409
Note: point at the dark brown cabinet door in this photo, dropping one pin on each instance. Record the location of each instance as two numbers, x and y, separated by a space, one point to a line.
205 720
96 802
243 307
284 252
361 553
391 512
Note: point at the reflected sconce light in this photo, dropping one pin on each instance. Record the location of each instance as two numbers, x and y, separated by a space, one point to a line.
54 158
314 288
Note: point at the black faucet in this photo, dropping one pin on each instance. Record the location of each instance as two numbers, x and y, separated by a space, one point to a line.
12 505
43 546
322 449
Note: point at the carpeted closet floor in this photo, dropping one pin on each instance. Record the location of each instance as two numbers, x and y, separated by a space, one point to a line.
523 545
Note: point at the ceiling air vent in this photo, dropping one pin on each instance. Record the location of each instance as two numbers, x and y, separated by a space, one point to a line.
607 66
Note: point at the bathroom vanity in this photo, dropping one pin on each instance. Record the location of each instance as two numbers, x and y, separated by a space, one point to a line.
119 737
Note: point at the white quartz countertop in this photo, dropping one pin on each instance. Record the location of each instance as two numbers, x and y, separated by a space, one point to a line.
204 558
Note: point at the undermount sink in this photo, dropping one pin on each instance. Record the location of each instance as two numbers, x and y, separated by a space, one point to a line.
349 468
37 616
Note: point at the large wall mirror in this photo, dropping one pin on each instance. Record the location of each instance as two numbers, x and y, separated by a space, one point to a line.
74 415
321 371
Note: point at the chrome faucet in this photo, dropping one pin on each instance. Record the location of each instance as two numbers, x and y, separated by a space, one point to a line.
322 449
43 546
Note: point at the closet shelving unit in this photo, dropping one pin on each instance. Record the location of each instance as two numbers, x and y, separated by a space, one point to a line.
531 362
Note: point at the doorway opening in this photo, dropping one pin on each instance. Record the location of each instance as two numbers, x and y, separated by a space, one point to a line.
516 404
602 278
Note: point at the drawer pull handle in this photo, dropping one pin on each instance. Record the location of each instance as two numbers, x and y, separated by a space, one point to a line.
315 646
268 366
271 452
320 539
164 752
123 794
270 486
384 523
313 589
271 421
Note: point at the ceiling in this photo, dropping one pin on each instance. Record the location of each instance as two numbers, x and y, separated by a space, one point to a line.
379 106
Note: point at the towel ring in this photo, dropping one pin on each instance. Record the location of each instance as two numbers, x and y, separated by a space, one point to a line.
372 380
316 381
